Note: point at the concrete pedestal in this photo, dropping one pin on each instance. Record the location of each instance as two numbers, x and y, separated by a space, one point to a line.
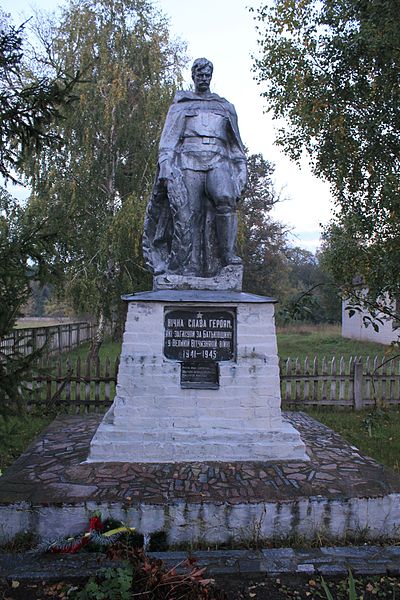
153 419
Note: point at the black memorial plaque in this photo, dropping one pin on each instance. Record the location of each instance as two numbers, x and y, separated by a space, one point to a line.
200 375
204 335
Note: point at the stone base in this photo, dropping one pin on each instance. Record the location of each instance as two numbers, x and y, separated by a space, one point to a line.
153 419
228 279
339 492
121 442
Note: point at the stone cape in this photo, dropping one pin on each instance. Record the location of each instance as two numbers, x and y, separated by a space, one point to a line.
155 418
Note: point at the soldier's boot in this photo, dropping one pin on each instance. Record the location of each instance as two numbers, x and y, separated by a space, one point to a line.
226 226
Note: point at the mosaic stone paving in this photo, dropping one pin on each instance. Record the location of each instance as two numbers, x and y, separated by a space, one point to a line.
50 471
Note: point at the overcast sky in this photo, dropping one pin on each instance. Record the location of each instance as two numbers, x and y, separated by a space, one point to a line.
224 32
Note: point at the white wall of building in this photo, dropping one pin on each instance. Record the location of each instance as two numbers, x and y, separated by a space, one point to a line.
353 327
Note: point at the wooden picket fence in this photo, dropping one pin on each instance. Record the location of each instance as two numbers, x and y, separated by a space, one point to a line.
353 383
81 386
56 338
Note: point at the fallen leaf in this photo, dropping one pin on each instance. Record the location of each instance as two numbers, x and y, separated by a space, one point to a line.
15 584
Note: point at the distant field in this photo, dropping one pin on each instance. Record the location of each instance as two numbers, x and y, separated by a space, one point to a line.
42 322
302 328
299 341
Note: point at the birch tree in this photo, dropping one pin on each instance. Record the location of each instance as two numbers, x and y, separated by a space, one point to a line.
95 185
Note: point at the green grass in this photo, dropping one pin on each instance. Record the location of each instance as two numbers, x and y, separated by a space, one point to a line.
109 350
301 341
17 432
376 433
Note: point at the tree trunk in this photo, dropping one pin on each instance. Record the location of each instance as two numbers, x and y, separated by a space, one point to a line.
98 338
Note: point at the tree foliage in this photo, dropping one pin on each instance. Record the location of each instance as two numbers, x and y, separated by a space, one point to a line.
272 266
262 241
331 69
316 298
26 255
95 185
27 251
26 109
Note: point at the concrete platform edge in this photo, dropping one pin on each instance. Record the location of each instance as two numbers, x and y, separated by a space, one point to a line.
212 523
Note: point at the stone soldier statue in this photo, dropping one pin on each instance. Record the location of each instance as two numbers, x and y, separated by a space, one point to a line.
191 220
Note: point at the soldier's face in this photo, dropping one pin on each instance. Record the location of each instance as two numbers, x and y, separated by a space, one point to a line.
202 79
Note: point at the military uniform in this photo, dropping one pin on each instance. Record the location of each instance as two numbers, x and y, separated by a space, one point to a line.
200 147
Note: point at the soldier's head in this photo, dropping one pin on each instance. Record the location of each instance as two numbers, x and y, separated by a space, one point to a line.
202 70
